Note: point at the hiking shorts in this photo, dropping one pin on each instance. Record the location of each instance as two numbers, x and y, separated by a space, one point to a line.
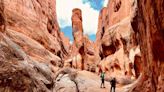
102 80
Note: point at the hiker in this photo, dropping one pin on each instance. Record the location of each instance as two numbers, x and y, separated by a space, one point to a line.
113 84
102 79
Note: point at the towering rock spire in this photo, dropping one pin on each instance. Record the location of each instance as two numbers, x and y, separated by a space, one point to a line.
82 49
77 27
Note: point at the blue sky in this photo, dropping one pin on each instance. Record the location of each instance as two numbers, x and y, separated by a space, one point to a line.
96 4
90 12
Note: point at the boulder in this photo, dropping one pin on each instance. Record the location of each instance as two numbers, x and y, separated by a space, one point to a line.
79 81
20 72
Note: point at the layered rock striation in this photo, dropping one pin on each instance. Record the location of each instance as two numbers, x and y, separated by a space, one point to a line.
116 40
149 25
77 28
34 53
75 59
31 45
82 51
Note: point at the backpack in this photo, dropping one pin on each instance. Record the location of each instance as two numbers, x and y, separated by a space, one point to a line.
102 75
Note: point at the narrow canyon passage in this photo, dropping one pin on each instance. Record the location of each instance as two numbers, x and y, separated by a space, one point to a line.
116 50
36 56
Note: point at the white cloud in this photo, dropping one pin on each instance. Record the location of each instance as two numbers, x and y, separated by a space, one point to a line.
105 3
90 16
70 42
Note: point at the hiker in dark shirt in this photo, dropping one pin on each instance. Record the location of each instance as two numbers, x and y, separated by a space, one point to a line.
113 84
102 79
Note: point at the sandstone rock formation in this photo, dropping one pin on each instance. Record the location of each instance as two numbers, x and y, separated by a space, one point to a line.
90 62
131 30
77 27
31 46
82 49
149 25
129 43
76 50
100 32
65 45
116 38
35 19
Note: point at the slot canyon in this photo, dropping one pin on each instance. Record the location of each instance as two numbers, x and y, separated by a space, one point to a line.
36 56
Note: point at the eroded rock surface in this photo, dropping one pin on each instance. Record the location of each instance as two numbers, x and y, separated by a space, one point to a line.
116 38
33 50
90 61
77 27
82 51
149 25
76 50
31 45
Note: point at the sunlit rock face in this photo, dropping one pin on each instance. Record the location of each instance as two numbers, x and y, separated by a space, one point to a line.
119 10
90 62
131 26
76 50
82 51
77 31
77 27
117 40
31 46
100 32
34 19
129 43
149 25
